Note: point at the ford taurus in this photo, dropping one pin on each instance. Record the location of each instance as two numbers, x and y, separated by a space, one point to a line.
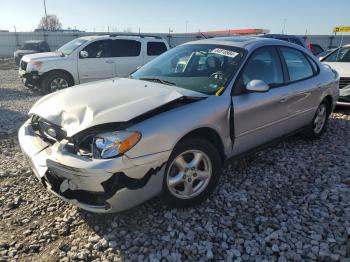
167 129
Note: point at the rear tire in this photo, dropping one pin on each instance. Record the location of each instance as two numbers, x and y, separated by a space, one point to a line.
319 122
55 81
191 174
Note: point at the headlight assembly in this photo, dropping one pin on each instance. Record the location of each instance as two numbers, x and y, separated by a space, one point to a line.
113 144
34 66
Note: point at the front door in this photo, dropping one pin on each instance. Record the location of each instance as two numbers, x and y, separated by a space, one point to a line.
98 64
259 117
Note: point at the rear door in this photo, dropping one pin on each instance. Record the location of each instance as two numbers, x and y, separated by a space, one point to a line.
99 64
260 117
127 56
154 49
304 87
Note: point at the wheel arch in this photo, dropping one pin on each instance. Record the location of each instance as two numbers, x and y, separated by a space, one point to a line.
209 134
329 100
61 71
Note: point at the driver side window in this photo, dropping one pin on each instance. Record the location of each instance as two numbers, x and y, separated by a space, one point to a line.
99 49
265 65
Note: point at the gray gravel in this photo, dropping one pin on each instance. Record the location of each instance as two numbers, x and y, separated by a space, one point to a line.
289 202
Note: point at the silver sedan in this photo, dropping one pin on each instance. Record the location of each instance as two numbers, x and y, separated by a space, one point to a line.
168 129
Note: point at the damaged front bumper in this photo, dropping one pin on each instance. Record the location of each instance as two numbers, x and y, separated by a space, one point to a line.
96 185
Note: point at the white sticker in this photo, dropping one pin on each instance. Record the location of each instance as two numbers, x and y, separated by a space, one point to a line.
224 52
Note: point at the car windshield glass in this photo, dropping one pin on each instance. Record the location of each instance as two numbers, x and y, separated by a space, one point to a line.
204 68
340 55
30 46
68 48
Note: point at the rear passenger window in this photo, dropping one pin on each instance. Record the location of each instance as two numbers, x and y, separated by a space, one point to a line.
298 66
126 48
155 48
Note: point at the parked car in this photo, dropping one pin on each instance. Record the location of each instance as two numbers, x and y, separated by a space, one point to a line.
110 145
339 60
315 49
31 47
289 38
322 55
89 58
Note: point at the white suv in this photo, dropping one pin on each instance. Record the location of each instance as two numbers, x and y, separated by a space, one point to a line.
89 58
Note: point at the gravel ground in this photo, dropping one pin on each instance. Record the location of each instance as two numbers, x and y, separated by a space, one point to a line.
286 203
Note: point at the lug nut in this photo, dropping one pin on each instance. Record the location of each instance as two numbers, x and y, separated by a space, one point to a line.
189 180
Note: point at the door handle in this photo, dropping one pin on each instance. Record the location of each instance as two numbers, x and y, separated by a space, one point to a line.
110 62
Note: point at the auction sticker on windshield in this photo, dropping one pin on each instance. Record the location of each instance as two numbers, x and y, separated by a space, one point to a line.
224 52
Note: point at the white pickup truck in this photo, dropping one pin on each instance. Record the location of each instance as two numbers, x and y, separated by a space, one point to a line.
89 58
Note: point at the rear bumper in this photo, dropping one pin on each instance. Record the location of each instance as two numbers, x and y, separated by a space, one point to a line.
101 186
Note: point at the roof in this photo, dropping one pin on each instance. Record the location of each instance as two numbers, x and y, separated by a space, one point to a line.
246 42
92 37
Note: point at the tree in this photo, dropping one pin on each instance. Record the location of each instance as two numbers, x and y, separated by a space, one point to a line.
53 23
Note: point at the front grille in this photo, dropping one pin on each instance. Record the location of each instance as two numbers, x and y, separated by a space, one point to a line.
24 65
47 131
343 82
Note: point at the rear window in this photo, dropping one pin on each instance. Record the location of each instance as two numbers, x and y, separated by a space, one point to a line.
155 48
126 48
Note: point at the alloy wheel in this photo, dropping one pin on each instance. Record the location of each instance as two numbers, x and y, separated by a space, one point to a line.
320 119
58 84
189 174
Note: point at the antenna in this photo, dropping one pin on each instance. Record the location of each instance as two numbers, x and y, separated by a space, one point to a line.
203 35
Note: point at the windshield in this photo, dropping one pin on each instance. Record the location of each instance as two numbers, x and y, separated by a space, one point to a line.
204 68
340 55
30 46
68 48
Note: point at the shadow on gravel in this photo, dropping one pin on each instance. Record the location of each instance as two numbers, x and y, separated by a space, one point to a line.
342 110
10 122
9 94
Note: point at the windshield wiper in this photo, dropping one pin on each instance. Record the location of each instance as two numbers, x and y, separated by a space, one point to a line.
158 80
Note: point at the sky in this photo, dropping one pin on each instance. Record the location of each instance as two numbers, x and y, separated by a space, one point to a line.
152 16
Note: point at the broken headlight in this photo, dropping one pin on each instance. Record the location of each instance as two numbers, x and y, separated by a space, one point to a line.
113 144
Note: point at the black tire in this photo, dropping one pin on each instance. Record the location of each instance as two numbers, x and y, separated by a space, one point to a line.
311 132
198 145
45 86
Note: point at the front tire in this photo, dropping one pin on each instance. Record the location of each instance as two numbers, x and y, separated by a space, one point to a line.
191 174
319 123
55 81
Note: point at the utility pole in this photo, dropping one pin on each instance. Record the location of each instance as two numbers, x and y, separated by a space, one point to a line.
186 25
284 26
47 25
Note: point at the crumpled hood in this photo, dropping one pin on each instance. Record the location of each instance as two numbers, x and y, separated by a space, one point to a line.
42 56
113 100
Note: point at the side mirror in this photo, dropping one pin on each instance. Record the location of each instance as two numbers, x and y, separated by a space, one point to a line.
257 86
84 54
